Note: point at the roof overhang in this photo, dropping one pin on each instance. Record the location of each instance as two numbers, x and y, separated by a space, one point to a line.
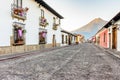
68 33
45 5
114 19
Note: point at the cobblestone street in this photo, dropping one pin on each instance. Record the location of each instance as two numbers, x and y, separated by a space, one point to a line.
78 62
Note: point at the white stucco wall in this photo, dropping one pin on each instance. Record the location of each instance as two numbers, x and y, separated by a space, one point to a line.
65 34
118 35
110 32
97 37
32 23
50 32
5 21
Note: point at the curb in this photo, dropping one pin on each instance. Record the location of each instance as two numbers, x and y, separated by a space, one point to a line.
20 55
114 54
110 52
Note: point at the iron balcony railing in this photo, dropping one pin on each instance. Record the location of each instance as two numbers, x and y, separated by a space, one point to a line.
18 12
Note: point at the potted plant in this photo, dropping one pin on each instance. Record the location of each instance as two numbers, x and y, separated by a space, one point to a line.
43 22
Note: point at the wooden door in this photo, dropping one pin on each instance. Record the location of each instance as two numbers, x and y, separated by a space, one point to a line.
114 38
54 41
69 39
109 40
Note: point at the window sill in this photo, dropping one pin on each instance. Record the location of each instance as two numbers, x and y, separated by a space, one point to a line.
18 44
42 43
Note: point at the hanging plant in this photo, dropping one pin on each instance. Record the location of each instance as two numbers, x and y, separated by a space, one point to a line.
26 9
24 31
43 22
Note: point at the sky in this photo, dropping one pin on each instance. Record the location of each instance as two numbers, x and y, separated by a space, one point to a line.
78 13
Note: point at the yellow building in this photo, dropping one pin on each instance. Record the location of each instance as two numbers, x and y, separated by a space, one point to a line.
79 38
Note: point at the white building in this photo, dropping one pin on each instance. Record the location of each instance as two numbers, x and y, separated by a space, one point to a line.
68 38
28 25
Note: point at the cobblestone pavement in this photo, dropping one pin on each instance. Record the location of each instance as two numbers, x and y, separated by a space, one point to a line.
77 62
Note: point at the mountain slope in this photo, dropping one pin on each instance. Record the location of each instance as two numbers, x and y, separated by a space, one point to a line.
91 28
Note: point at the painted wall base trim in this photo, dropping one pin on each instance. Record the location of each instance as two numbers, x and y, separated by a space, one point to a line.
24 48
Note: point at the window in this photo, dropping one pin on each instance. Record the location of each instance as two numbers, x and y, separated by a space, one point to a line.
18 3
62 39
56 23
43 21
59 21
42 37
42 13
66 39
54 20
104 37
18 34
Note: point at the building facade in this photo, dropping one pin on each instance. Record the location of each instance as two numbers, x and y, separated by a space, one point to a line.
28 25
68 38
114 32
79 38
102 38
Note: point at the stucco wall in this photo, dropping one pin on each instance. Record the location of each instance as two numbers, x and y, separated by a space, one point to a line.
118 35
65 34
31 24
110 32
104 43
5 22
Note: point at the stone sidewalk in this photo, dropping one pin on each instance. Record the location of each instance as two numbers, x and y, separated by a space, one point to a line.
113 52
4 57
